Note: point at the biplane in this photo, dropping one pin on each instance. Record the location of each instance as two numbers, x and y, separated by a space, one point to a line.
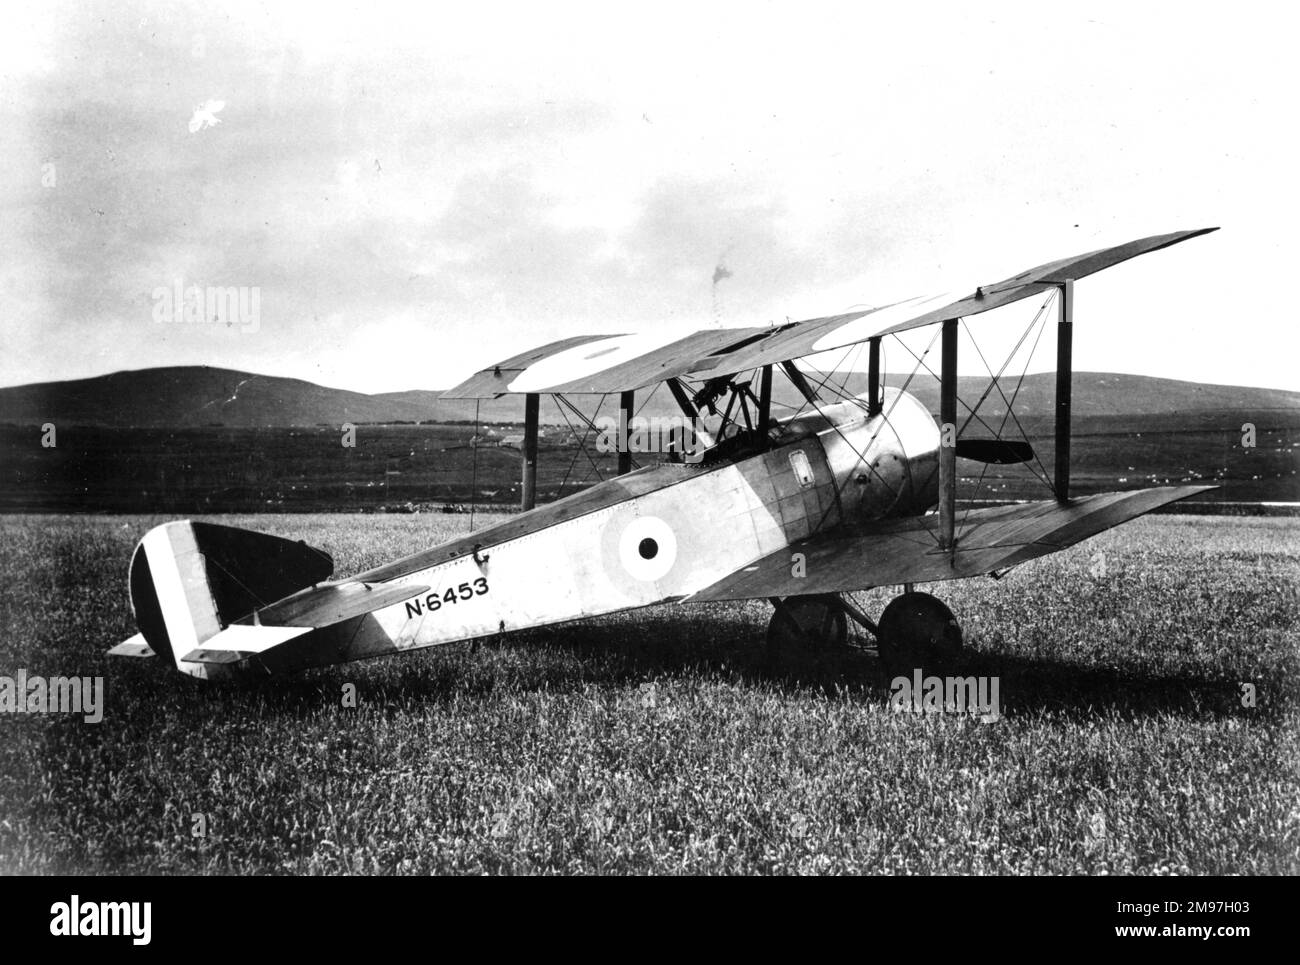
844 495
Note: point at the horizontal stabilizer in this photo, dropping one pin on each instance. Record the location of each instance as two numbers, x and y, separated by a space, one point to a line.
1002 452
134 647
326 605
241 640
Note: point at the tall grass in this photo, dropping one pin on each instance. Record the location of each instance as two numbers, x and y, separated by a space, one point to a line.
663 741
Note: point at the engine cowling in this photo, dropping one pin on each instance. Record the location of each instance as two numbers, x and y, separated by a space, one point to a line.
884 465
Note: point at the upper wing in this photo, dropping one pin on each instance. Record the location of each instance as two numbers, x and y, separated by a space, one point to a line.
612 363
618 363
908 551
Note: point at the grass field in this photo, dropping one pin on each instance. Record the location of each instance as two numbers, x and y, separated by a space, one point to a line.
662 741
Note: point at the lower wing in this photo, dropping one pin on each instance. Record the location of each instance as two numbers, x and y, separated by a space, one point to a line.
908 550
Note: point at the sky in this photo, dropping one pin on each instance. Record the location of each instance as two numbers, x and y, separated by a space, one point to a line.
414 192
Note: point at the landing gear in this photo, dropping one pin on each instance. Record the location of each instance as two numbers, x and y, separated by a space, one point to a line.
807 624
917 630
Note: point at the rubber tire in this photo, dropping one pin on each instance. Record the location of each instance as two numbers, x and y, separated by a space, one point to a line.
823 623
918 630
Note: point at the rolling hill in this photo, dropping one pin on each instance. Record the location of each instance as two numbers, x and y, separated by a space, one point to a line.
193 396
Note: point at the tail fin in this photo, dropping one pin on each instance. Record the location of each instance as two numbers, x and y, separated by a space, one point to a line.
189 581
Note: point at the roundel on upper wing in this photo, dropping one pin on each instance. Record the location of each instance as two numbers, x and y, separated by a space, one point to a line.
647 549
583 361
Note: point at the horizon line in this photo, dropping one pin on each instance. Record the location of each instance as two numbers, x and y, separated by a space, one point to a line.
886 374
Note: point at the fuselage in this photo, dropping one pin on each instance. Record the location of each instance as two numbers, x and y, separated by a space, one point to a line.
656 535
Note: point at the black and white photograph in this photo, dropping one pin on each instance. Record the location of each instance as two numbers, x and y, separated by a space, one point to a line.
710 439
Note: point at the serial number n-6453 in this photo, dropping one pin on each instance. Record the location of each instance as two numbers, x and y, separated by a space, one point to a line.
435 600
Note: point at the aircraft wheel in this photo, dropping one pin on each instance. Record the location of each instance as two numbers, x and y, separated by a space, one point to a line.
917 630
807 624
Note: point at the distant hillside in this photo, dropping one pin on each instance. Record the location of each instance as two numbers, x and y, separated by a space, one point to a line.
1111 394
196 396
200 396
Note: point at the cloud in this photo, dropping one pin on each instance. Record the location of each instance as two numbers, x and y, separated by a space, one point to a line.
417 197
